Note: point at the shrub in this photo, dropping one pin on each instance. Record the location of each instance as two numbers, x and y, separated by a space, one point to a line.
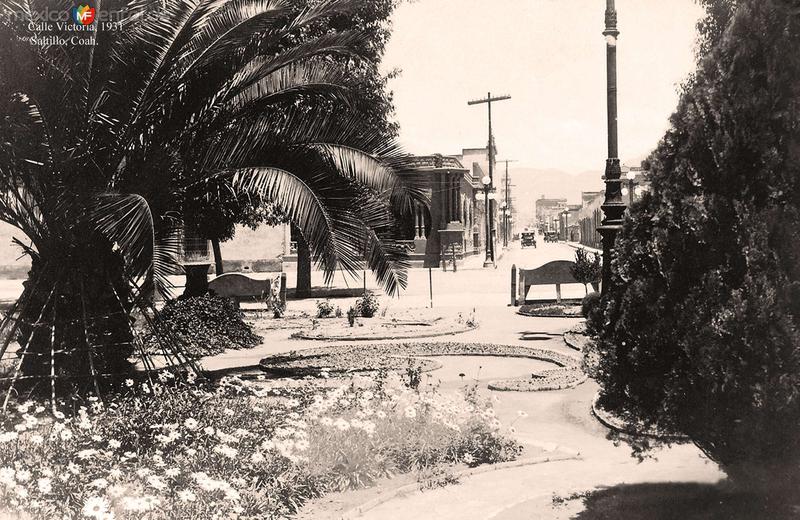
207 325
591 309
324 309
351 316
704 309
587 268
367 306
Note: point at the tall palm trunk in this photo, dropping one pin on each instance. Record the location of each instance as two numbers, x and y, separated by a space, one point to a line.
218 268
74 328
303 289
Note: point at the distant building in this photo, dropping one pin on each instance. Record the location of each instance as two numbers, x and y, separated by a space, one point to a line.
447 225
547 213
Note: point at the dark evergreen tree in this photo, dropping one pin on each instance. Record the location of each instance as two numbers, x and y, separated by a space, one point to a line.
701 327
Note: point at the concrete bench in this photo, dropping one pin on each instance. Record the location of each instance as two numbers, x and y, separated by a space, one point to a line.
239 288
552 273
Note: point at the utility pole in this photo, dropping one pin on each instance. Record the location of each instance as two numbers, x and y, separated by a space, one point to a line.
487 186
506 207
613 205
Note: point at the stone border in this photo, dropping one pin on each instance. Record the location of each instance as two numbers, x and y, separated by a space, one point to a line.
577 339
616 423
355 512
568 374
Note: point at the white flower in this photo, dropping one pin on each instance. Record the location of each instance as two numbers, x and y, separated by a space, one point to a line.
469 459
96 438
411 412
326 421
191 424
114 444
99 483
23 475
129 383
186 496
208 430
380 414
59 415
226 451
37 439
23 408
73 468
44 485
156 482
96 507
7 476
172 472
342 424
85 454
228 412
257 458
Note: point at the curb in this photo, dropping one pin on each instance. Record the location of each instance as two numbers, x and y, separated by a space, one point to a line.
357 511
613 422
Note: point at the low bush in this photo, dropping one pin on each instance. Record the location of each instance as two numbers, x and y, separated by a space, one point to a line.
367 306
207 325
238 450
592 310
325 309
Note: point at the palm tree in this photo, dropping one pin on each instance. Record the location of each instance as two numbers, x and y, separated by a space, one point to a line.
99 144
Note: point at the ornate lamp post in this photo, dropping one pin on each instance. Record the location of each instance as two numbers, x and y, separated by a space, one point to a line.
613 206
487 188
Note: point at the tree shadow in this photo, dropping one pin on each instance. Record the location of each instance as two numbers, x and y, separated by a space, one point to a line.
682 501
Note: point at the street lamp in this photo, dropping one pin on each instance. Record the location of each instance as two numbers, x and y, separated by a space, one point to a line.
631 175
487 188
566 225
613 206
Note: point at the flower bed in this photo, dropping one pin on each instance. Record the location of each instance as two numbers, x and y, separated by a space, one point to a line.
405 325
395 356
237 450
551 310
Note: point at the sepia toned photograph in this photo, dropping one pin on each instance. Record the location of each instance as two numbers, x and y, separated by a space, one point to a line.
400 259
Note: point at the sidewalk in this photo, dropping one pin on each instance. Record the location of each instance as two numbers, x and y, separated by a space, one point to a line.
558 422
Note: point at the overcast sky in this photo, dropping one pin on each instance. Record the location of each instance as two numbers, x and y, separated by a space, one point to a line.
549 55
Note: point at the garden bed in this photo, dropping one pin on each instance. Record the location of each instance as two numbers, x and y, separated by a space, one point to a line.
566 309
237 449
405 324
344 359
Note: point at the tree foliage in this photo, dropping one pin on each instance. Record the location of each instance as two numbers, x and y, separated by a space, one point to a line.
101 144
701 330
214 213
587 268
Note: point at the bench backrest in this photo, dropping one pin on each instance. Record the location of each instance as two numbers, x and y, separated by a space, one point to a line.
235 285
556 272
550 273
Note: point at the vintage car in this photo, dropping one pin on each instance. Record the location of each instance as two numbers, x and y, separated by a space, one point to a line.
551 236
528 238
